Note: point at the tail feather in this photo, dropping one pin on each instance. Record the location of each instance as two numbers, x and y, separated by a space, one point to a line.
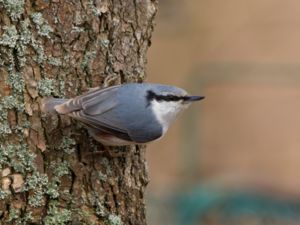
48 104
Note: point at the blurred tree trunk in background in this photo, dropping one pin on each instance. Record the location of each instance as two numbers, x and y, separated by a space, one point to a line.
61 48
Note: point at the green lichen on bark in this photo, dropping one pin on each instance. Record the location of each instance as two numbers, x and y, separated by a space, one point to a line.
10 36
14 153
13 214
57 215
4 194
93 8
46 87
12 102
4 129
14 8
41 24
17 83
67 145
37 183
52 48
89 56
17 157
114 220
54 61
100 210
16 218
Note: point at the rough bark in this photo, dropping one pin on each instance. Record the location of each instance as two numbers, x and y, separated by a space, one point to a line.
61 48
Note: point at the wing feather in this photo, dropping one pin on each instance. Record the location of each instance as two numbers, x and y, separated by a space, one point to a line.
102 125
99 101
88 100
94 109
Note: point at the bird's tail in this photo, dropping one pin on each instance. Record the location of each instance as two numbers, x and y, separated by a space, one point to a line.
49 104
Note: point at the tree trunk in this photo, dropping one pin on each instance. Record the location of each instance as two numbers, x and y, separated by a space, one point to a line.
49 171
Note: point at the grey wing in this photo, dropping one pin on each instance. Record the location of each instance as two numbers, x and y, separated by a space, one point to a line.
90 100
102 124
94 109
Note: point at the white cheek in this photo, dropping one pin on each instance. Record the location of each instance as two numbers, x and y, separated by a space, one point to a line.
166 112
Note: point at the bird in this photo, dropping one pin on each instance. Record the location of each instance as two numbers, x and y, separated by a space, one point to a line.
126 114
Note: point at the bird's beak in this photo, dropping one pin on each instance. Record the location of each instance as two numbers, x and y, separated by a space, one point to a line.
194 98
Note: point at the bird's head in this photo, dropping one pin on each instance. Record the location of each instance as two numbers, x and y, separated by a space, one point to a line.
167 101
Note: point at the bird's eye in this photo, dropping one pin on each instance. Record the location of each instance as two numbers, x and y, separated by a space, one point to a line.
171 98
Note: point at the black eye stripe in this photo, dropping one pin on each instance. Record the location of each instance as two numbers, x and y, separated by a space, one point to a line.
168 98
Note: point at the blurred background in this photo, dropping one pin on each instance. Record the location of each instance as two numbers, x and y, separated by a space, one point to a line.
233 158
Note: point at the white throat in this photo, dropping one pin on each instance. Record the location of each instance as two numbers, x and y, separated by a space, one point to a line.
165 112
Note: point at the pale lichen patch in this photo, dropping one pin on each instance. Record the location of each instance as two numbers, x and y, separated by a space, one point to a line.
19 47
17 157
37 183
95 11
15 8
46 87
13 214
88 57
57 215
10 36
13 102
42 26
54 61
114 220
67 145
16 81
5 128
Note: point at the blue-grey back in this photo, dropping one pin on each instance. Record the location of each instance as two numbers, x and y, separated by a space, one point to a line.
135 112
